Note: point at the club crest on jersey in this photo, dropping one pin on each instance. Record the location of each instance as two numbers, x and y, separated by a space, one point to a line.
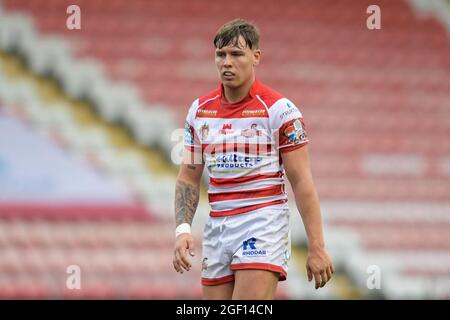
226 129
252 132
295 132
204 131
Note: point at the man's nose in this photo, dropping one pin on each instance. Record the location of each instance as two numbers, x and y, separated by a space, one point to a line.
227 61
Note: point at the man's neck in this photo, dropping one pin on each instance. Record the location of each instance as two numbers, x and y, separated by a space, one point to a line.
233 95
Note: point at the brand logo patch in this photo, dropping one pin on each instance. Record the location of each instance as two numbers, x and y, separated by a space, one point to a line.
252 132
226 129
249 248
253 113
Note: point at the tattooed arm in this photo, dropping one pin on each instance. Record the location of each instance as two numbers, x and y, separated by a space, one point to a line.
186 200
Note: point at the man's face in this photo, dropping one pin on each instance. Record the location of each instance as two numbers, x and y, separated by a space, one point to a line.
235 64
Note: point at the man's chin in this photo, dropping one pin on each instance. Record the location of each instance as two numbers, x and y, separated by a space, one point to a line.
230 83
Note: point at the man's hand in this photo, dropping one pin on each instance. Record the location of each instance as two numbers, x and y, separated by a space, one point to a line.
183 243
319 266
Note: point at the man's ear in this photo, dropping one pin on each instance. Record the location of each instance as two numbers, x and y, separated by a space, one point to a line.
256 57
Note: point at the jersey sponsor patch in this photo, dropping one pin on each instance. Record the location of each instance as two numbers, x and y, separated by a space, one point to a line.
253 113
188 134
295 132
233 161
206 113
290 110
251 132
226 129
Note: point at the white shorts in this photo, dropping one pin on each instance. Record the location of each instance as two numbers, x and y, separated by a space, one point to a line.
255 240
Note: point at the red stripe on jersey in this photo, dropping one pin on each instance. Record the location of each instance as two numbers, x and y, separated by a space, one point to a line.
192 148
228 182
245 209
246 194
248 148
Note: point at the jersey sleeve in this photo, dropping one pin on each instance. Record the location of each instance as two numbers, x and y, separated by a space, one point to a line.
288 126
191 140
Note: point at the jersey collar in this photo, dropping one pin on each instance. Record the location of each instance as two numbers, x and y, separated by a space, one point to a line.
251 94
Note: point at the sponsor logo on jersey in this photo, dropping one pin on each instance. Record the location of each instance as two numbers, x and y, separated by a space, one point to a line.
289 111
203 112
234 161
249 248
253 113
295 132
188 134
204 264
226 129
252 132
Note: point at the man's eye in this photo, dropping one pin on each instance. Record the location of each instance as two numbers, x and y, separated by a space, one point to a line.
220 54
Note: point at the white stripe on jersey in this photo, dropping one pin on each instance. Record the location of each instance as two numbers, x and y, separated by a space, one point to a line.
233 204
262 183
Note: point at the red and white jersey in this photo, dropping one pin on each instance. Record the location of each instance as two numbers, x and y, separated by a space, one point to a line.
240 144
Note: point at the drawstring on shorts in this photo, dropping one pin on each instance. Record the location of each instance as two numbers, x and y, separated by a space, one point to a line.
223 222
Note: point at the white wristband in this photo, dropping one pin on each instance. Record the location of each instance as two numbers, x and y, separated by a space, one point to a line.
182 228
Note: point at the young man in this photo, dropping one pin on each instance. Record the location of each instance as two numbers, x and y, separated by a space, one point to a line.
249 136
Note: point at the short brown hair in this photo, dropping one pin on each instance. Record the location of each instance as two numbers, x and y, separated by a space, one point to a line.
230 32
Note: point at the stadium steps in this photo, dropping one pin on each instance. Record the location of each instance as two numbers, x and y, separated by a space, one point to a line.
113 137
53 97
125 259
118 259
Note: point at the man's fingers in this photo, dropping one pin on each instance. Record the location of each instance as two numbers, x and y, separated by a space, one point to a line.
176 265
191 247
324 277
308 270
180 261
329 273
318 280
184 261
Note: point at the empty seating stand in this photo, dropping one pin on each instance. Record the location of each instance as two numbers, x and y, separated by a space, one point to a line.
375 102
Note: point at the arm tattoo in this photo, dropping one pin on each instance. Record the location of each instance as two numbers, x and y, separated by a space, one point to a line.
186 201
